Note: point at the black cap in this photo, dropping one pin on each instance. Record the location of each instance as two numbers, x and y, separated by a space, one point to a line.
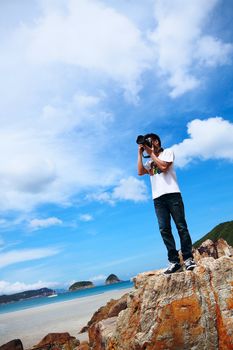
153 136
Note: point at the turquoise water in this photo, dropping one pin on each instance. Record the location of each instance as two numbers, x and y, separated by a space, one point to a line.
27 304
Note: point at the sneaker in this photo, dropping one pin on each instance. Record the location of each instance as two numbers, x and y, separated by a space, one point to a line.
190 264
173 267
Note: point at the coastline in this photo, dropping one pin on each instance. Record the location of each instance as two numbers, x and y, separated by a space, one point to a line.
31 325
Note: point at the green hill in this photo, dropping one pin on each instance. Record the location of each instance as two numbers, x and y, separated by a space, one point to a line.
43 292
81 285
223 230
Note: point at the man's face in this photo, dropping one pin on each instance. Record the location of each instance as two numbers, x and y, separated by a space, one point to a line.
155 143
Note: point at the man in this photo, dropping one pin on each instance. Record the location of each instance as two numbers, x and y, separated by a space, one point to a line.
167 201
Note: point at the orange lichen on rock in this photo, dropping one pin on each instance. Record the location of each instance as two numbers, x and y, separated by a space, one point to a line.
229 300
134 318
174 321
229 303
225 341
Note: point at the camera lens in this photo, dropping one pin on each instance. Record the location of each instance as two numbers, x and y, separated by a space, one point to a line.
140 140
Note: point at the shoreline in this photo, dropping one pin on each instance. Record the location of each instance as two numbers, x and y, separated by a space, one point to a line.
31 325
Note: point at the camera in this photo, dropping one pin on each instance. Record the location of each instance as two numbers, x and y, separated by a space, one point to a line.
144 140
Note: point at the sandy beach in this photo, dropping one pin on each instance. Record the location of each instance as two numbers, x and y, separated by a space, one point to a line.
31 325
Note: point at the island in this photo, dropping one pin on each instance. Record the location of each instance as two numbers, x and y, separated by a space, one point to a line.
81 285
42 292
112 279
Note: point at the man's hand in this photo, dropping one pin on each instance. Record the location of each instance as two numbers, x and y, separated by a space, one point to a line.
140 149
148 150
141 169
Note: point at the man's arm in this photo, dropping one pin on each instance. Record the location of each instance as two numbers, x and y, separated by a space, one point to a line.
141 169
161 164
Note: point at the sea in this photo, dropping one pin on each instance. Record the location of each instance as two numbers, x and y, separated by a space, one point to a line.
35 302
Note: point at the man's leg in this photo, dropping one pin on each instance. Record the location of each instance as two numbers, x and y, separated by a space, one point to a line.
176 206
164 221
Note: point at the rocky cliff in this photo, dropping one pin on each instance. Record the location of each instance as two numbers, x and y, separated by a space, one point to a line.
190 310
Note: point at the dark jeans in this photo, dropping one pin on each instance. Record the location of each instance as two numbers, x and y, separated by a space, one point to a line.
167 206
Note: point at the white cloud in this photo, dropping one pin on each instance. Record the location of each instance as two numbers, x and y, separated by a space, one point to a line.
127 189
93 36
130 189
105 197
49 158
43 223
17 287
208 139
212 52
17 256
181 45
98 278
86 217
82 111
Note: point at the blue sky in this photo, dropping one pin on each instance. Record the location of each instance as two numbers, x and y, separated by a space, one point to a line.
80 79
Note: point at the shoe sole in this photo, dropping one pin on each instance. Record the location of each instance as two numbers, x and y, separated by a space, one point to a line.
170 273
191 268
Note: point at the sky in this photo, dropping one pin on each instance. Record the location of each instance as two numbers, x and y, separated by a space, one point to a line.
80 79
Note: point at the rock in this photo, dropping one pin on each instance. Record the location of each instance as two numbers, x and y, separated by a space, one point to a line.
213 249
112 308
83 346
118 306
223 249
84 329
112 279
15 344
63 341
101 333
190 310
81 285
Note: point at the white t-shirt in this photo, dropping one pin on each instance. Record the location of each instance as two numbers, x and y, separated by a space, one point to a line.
163 182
